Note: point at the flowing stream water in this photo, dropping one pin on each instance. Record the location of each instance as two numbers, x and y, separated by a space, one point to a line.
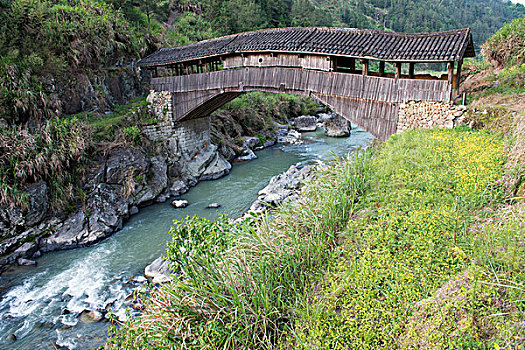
40 306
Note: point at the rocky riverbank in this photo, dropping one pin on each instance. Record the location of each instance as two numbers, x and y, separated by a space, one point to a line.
281 189
128 178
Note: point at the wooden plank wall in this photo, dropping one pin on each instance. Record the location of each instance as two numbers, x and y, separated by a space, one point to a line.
323 63
378 118
370 102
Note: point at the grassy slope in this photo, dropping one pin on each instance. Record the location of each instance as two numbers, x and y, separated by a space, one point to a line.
412 236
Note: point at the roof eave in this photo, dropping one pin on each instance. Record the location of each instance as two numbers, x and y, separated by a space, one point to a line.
160 64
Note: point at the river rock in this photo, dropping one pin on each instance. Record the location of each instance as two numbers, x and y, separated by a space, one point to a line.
337 126
213 206
25 262
247 155
268 143
322 117
68 235
250 142
227 152
155 184
291 137
180 203
27 250
159 271
178 187
207 164
108 208
306 123
124 163
218 167
139 279
133 210
282 188
90 316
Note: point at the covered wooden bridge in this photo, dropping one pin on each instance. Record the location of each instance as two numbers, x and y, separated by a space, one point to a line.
361 74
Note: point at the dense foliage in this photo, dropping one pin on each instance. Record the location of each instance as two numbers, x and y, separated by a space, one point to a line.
45 42
234 16
52 155
408 240
483 16
506 47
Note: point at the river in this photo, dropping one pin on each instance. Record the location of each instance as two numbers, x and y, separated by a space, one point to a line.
39 306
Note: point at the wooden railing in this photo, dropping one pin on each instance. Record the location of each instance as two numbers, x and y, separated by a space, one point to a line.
305 81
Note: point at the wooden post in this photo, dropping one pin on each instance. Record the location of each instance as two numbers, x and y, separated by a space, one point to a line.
365 66
382 68
411 68
397 66
458 74
450 66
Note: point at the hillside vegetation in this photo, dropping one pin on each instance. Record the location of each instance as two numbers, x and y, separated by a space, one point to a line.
484 17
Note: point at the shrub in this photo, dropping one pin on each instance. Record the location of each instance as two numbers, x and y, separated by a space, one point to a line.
49 154
507 46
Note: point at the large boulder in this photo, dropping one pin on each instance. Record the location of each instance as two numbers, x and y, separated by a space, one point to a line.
246 155
306 123
337 126
292 137
228 152
158 271
282 188
322 117
108 207
155 184
180 203
177 188
125 163
68 235
250 142
200 161
218 167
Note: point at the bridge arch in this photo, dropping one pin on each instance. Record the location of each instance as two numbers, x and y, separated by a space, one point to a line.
342 68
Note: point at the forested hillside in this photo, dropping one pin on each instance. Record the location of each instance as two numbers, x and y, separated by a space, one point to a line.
483 16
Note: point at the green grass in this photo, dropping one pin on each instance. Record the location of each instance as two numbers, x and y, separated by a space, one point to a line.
410 237
125 120
507 46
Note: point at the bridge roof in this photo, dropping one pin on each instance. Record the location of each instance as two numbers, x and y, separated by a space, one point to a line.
451 45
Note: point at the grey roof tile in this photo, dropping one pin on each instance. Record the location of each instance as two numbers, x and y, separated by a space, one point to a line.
438 46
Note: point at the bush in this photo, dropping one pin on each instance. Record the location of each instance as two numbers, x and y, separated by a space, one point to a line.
49 154
507 46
